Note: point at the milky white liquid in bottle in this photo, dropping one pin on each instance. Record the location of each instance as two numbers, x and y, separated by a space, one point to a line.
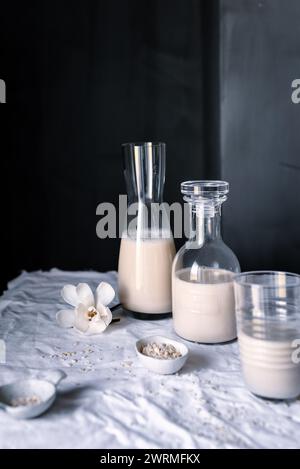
204 312
145 274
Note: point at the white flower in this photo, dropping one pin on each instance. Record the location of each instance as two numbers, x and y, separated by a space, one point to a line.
90 314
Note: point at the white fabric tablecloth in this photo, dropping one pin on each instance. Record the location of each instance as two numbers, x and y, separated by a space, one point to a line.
109 401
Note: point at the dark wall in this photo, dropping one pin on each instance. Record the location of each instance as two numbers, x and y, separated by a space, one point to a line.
82 77
260 137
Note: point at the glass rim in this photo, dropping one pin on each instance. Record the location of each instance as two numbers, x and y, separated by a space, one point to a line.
239 278
205 187
143 144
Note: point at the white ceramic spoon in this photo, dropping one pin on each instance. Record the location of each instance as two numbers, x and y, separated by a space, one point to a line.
43 388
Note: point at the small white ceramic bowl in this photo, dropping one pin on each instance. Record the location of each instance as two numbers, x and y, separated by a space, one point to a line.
43 387
162 366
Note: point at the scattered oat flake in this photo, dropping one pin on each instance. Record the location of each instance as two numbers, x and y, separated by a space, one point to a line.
127 363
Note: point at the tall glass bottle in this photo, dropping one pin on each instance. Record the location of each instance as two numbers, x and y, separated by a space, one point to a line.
203 269
147 247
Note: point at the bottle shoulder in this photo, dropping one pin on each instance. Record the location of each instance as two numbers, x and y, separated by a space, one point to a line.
214 254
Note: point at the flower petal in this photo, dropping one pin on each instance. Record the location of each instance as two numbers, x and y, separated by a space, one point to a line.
85 294
104 294
96 327
107 316
69 294
81 321
65 317
81 310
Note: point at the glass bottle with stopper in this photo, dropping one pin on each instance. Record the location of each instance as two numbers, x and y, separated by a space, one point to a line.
203 269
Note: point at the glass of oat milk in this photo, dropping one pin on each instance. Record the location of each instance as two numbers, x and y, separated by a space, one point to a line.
203 269
147 247
268 320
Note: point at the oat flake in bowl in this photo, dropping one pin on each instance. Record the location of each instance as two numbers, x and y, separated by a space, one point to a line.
161 351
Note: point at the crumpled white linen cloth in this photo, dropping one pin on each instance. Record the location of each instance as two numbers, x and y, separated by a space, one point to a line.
109 400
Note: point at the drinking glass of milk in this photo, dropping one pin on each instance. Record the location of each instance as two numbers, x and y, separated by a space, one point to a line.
268 320
203 269
147 246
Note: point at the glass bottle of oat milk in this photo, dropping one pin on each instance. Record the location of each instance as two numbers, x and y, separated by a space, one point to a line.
203 269
147 247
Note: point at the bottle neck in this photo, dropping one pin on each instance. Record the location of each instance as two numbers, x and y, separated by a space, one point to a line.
205 222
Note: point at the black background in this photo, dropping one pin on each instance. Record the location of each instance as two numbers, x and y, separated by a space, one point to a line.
210 78
260 130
